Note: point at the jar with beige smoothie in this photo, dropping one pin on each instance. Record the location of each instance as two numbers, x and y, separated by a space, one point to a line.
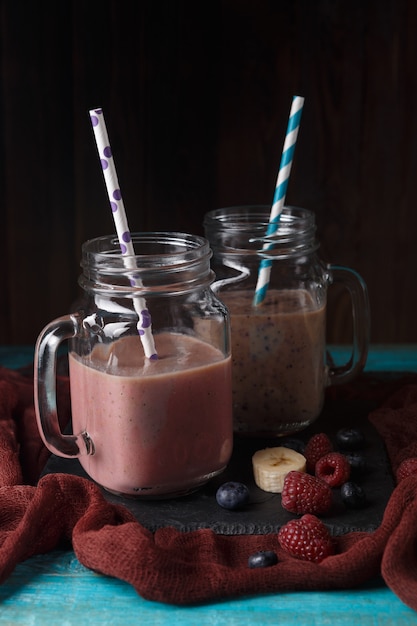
279 366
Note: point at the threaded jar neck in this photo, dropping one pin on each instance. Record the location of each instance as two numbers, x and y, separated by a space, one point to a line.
163 263
242 230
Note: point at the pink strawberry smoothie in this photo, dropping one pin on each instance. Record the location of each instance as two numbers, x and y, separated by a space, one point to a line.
278 370
161 427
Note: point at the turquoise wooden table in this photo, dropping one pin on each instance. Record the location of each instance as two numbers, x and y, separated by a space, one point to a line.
56 589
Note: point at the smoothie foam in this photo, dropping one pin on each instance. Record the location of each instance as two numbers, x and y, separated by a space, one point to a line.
156 425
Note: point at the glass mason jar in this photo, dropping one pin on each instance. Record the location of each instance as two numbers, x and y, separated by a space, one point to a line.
279 367
145 427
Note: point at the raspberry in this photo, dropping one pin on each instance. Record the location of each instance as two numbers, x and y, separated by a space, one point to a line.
334 469
306 538
406 468
303 493
317 446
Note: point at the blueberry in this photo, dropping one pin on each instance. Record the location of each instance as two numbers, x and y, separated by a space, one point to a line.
232 495
294 444
350 438
353 495
357 463
265 558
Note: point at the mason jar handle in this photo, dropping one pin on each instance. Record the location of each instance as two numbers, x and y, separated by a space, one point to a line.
358 292
46 350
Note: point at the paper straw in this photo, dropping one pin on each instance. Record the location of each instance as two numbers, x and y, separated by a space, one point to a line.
279 195
119 215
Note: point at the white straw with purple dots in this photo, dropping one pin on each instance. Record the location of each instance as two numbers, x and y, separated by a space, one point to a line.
280 192
122 228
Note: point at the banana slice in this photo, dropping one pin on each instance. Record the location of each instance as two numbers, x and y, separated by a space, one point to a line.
271 465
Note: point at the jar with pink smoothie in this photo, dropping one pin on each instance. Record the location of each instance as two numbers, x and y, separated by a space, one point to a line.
149 427
279 365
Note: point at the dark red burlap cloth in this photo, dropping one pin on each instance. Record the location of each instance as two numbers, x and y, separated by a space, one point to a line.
183 568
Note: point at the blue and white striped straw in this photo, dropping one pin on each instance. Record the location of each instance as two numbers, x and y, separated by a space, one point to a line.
279 195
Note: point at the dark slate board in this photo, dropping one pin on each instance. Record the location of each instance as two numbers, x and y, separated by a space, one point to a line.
264 513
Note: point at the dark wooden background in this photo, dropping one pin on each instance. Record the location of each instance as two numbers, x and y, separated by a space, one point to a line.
196 96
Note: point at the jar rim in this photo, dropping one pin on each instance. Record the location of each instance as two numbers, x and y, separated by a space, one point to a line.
241 215
168 248
244 230
167 262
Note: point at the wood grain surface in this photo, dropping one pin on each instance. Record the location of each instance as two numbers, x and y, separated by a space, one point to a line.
196 97
56 589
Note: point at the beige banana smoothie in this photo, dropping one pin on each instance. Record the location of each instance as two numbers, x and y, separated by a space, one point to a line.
158 427
278 370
